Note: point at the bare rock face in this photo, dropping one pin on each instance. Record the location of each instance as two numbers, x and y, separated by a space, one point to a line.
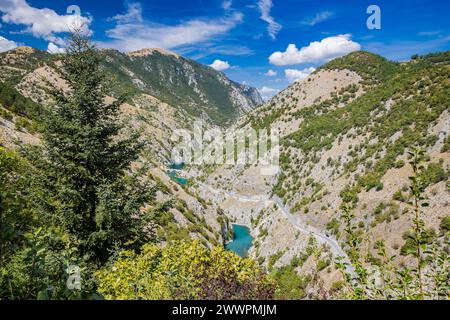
150 51
200 90
348 126
24 50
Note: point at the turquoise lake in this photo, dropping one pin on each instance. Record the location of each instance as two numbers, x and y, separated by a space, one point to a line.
242 240
173 174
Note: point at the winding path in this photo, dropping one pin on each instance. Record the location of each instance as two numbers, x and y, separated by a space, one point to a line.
322 238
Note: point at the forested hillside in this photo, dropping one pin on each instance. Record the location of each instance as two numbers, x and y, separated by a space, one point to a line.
358 210
365 169
85 194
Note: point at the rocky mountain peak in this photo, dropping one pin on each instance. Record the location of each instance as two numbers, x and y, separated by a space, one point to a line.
24 50
149 51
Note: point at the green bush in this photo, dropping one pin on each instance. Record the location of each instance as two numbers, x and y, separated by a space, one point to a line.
400 164
15 102
274 258
445 224
290 285
409 247
434 173
322 264
22 123
5 114
183 270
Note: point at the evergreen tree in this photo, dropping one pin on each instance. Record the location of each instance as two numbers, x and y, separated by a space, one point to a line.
83 180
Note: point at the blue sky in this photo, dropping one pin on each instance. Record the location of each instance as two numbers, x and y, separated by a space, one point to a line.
264 43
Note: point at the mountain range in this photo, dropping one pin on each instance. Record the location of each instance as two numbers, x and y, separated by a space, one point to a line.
345 135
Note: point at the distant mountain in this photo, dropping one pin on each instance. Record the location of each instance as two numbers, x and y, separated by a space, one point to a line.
196 89
28 75
345 135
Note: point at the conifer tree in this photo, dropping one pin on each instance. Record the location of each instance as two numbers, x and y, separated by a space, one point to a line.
84 182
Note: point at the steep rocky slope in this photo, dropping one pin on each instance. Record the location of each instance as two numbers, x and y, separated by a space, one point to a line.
191 87
345 132
28 76
199 90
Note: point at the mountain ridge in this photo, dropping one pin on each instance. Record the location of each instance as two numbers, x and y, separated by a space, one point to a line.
345 135
176 80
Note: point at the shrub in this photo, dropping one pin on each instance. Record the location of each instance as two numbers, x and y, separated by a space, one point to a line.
409 246
333 226
434 173
322 264
291 286
399 164
6 114
22 123
445 224
183 270
398 195
274 258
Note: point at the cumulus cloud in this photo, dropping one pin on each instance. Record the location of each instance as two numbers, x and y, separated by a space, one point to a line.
53 48
42 23
132 32
293 74
317 51
6 44
220 65
273 27
270 73
318 18
267 92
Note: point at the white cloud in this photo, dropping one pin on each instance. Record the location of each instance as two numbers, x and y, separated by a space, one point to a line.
270 73
226 4
42 23
273 27
293 74
6 44
318 18
220 65
267 92
134 13
317 51
53 48
132 32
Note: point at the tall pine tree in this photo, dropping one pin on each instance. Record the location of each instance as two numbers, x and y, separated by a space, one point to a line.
83 180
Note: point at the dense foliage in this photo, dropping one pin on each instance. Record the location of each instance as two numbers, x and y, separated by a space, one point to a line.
427 278
183 270
78 200
73 205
